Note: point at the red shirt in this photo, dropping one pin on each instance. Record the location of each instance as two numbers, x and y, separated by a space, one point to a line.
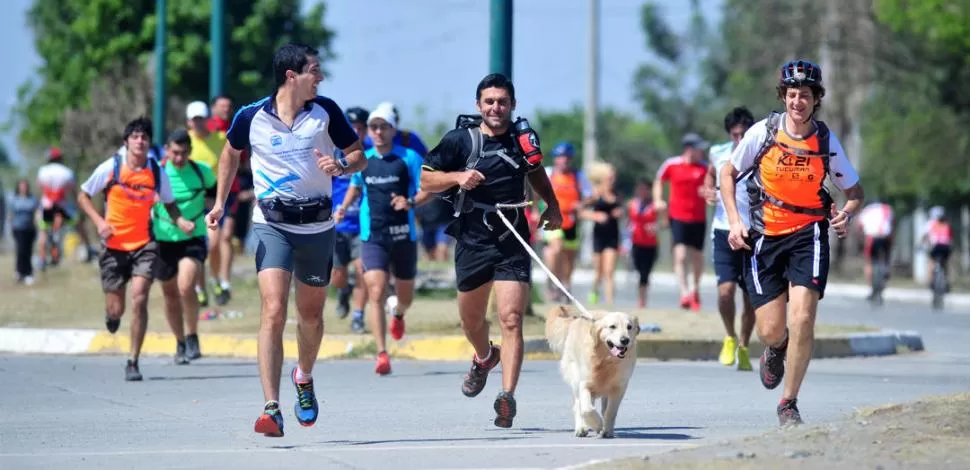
216 124
686 204
643 223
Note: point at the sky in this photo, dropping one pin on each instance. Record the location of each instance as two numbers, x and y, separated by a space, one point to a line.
432 53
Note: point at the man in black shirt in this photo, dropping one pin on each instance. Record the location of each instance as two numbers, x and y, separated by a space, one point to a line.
478 167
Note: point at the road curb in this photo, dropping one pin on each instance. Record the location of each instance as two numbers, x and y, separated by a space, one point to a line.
431 348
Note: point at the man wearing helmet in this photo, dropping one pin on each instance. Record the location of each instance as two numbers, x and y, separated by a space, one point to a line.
571 188
788 156
938 234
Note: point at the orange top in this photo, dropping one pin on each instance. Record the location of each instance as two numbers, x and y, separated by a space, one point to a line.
566 188
939 233
793 179
128 209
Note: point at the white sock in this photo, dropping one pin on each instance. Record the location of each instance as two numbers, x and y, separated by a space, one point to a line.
301 377
487 356
225 285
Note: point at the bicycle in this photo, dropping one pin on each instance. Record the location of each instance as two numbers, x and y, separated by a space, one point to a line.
938 284
880 274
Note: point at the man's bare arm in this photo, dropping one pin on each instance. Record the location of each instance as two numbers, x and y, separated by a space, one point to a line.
352 193
228 166
728 191
855 196
355 158
438 181
540 183
84 202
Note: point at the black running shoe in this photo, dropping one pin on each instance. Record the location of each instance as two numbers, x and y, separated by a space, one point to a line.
192 348
180 359
132 374
475 379
504 410
772 366
788 414
111 324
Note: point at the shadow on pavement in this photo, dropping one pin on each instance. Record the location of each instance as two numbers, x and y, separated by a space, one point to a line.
426 440
630 433
207 377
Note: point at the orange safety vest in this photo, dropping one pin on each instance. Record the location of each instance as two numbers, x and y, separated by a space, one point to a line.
566 187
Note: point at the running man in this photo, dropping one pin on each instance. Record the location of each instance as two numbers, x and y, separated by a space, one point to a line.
572 189
347 248
291 137
687 213
643 224
390 189
181 255
729 264
876 222
486 252
206 147
787 257
130 182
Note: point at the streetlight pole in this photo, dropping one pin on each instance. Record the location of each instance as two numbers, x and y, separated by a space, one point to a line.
217 44
161 49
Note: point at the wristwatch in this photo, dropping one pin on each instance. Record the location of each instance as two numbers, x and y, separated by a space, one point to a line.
410 201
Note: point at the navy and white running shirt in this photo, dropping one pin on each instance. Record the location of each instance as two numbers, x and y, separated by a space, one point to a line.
282 158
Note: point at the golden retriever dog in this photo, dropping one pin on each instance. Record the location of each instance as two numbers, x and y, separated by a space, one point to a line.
597 360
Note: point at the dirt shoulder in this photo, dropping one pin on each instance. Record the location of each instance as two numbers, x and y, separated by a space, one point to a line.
933 433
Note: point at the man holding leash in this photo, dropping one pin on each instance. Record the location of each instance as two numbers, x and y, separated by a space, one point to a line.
481 166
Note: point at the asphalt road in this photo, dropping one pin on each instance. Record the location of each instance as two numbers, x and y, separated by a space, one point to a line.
77 412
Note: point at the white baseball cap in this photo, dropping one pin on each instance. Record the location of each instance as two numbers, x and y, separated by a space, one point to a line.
197 109
382 111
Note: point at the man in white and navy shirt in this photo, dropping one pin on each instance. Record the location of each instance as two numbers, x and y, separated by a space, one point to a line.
729 264
292 136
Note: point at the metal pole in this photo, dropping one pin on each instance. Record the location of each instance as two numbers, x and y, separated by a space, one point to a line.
500 54
590 148
217 44
161 48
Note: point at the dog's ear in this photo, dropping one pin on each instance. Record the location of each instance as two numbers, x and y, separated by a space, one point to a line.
563 311
636 325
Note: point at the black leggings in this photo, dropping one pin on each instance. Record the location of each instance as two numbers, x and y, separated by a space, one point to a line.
643 259
24 240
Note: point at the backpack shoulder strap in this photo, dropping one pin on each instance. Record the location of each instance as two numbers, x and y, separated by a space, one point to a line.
476 151
156 174
115 174
198 172
771 131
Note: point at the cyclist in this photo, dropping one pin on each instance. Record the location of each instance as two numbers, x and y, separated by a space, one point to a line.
876 222
57 183
729 264
788 157
939 235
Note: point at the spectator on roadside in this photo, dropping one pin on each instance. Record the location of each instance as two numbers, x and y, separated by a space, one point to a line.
23 225
221 114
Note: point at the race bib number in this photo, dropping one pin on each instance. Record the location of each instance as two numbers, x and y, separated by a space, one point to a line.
399 232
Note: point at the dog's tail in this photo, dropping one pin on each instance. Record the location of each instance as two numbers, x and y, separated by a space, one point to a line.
557 327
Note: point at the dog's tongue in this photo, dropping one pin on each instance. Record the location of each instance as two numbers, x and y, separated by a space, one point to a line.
616 351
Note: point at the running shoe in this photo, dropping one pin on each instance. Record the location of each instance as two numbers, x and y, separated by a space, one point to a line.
504 409
788 414
475 380
270 423
180 359
383 364
111 324
744 359
192 349
306 407
132 374
772 366
727 357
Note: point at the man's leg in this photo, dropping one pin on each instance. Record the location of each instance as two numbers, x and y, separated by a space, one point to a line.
376 279
404 268
188 273
166 273
140 287
312 263
215 262
512 297
680 270
359 297
274 265
555 261
804 305
226 255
